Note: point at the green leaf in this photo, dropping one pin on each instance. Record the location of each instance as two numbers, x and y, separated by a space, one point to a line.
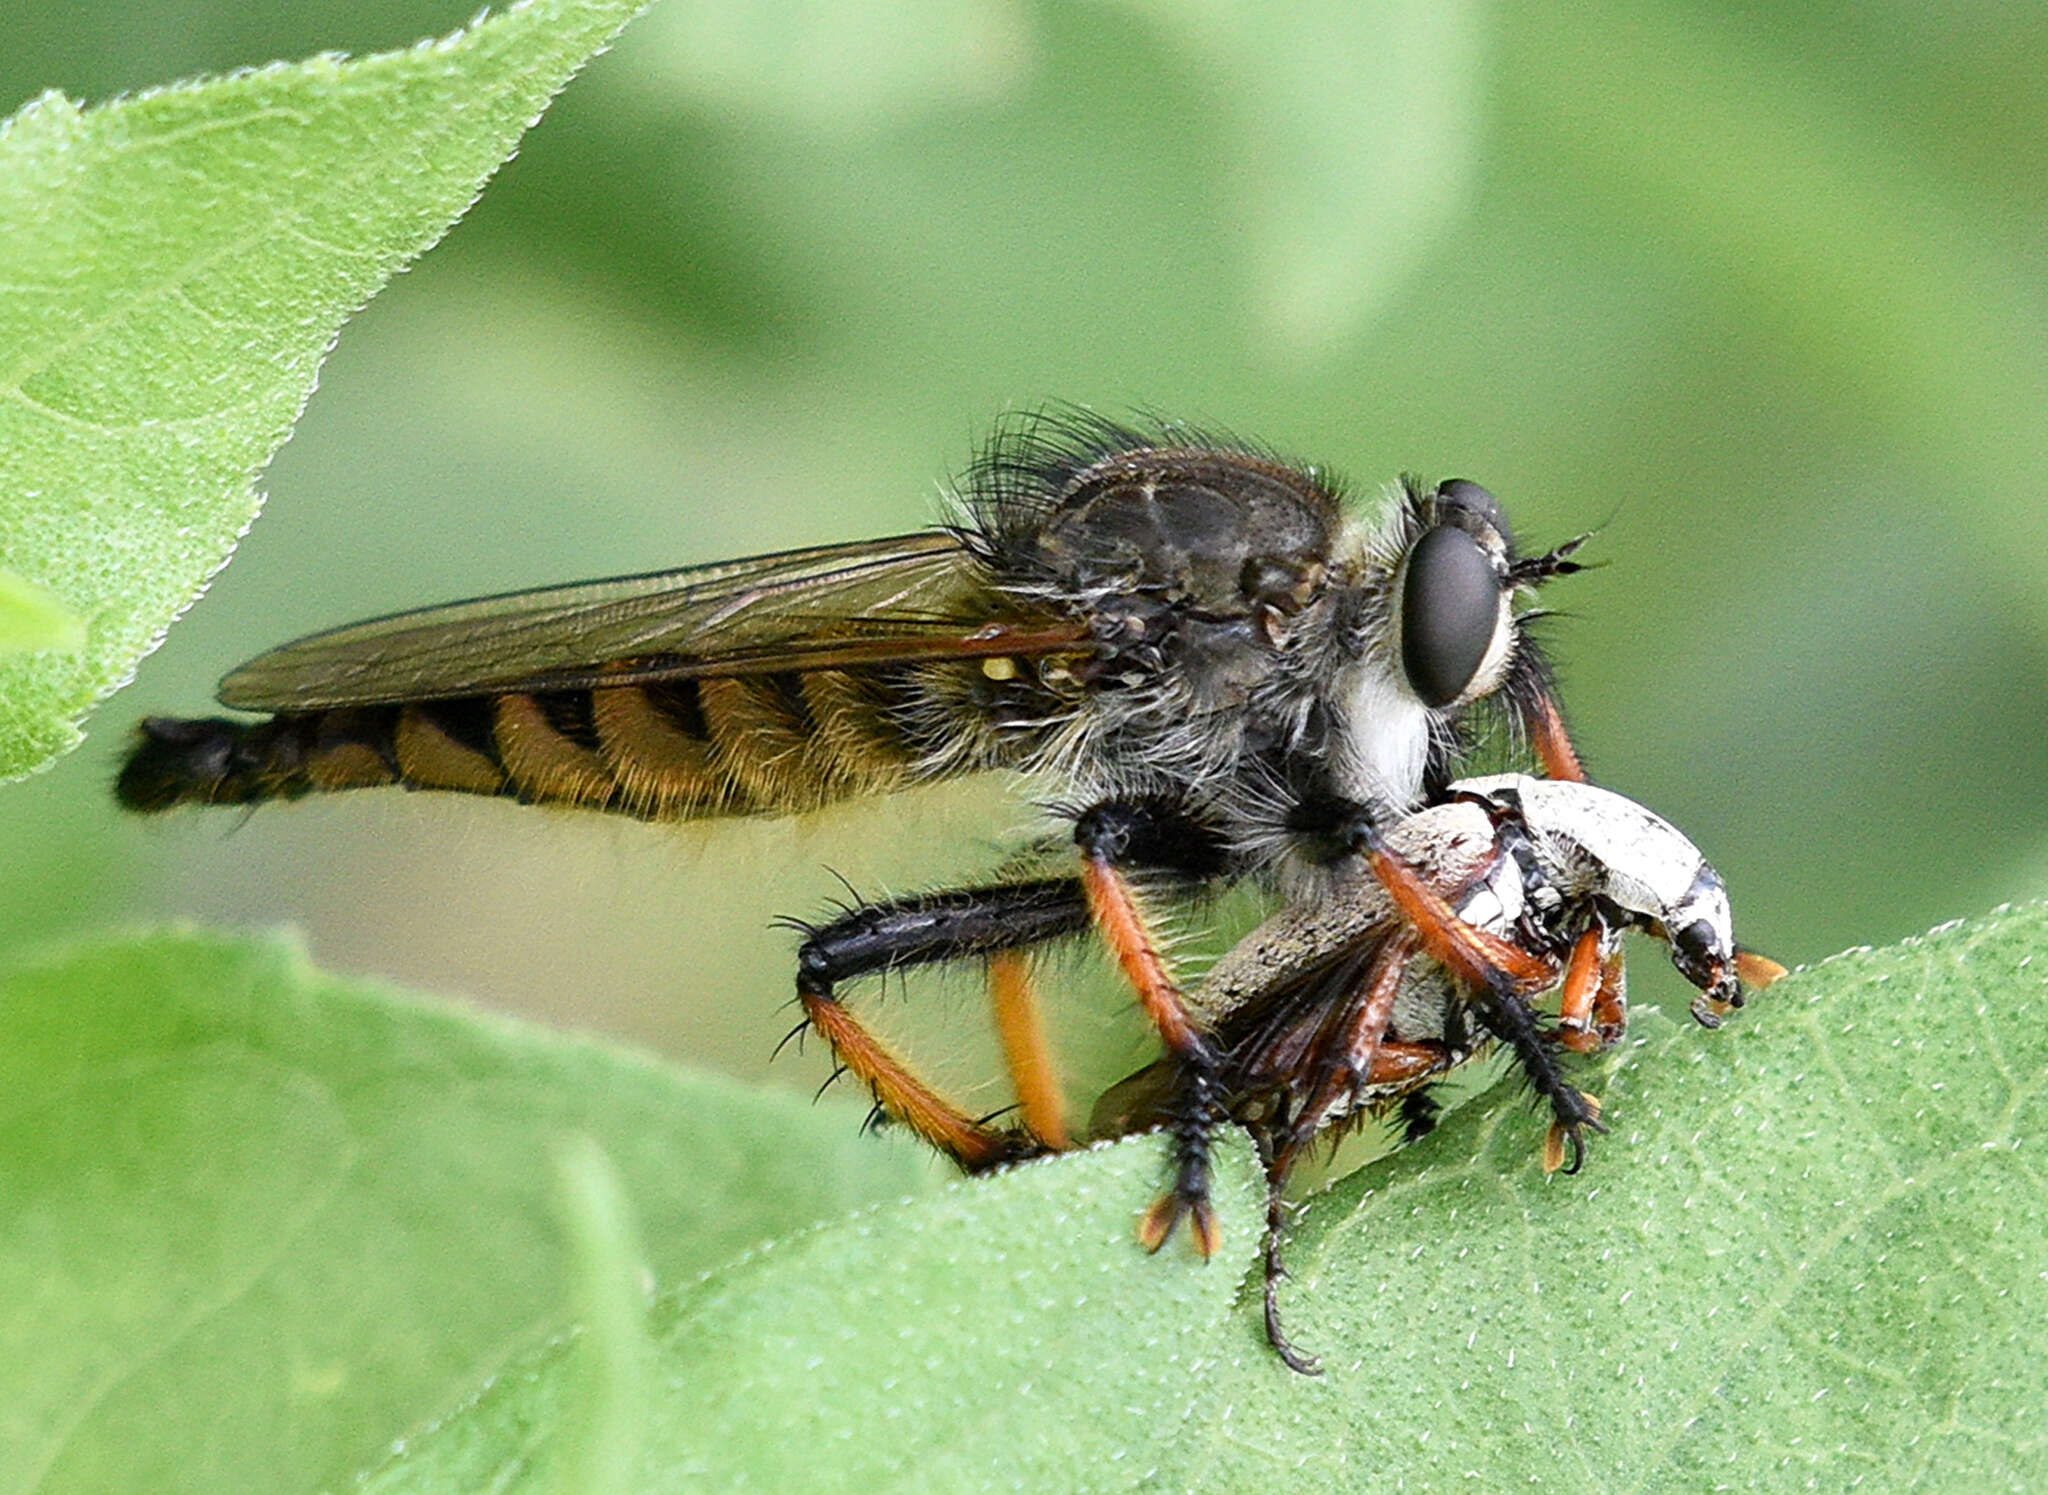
31 619
256 1223
175 267
602 1431
1807 1254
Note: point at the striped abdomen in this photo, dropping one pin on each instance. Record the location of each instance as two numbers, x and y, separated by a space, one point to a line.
783 742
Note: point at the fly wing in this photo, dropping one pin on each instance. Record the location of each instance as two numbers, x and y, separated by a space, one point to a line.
871 602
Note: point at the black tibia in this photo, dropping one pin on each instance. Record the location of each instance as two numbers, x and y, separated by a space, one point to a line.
939 926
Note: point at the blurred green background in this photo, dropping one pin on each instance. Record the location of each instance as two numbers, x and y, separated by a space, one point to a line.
1760 291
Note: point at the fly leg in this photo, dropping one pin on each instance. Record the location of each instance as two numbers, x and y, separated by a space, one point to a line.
1503 976
1344 1062
1114 836
1020 1027
1474 956
997 924
1394 1064
994 922
1544 724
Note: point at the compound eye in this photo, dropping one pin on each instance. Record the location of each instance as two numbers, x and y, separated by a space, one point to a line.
1450 613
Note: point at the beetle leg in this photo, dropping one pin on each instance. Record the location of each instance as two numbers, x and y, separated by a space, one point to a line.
1592 1012
1575 1004
1610 1003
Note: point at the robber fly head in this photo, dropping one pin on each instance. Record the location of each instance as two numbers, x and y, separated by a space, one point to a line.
1454 629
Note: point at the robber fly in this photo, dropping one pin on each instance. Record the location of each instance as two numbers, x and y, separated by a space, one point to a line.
1213 663
1355 1004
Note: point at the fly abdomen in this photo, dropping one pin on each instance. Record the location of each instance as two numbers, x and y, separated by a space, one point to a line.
780 743
667 750
213 760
